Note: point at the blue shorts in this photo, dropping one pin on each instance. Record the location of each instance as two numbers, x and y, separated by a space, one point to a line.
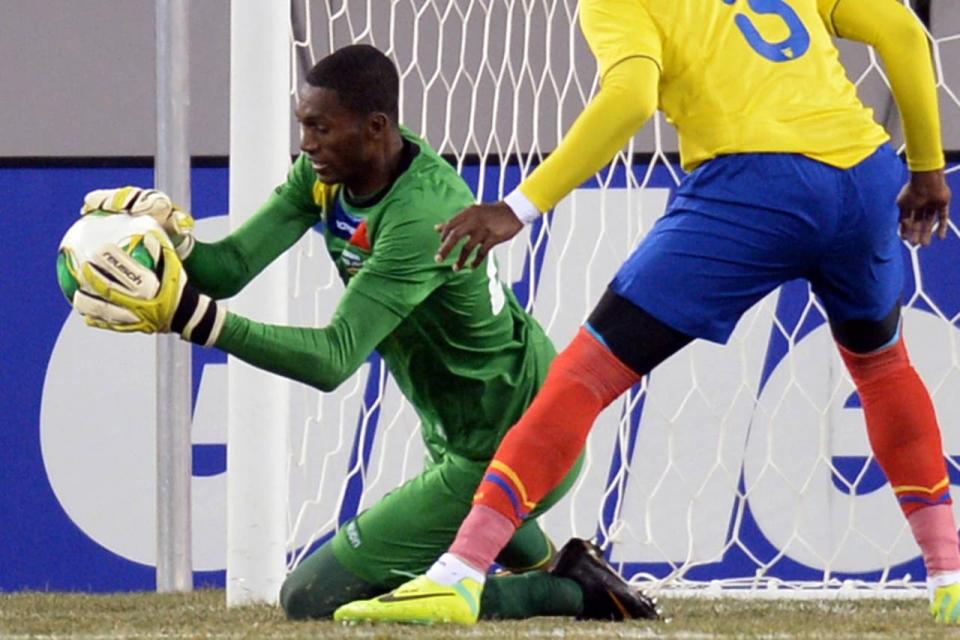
741 225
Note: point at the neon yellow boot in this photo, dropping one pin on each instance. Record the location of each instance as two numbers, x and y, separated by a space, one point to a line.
946 604
419 601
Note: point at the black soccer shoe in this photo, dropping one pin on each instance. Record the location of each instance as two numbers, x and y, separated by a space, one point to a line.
606 595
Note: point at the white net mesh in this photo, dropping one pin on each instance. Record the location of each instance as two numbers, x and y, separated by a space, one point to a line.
745 466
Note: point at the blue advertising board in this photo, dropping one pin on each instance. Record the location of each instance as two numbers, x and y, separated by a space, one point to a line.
51 543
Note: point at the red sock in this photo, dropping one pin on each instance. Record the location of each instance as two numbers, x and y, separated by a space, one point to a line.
901 425
539 451
905 438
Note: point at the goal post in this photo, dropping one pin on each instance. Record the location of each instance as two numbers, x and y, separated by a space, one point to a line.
742 469
258 402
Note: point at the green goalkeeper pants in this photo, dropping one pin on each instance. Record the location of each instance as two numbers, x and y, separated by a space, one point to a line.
404 533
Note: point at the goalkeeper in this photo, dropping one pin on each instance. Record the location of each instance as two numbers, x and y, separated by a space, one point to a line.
459 345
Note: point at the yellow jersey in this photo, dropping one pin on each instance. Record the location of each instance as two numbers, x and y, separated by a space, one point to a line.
741 76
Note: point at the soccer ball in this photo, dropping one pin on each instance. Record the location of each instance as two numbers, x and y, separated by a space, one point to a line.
92 231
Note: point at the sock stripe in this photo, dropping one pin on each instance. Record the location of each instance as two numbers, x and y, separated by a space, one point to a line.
944 499
520 515
515 479
918 489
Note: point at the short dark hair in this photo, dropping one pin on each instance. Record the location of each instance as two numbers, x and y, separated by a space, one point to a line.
365 80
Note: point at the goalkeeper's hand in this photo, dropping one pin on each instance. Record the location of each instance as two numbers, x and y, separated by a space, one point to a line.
120 294
135 201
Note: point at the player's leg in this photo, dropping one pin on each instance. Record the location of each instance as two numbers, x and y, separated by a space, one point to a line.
860 283
530 548
619 342
706 262
404 533
579 581
905 439
541 594
901 422
541 449
529 590
903 432
320 584
373 552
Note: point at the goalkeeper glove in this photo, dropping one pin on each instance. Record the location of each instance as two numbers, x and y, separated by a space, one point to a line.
120 294
135 201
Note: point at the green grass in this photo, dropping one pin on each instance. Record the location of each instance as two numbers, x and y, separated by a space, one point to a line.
203 614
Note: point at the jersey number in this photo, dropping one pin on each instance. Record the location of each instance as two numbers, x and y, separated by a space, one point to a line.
794 46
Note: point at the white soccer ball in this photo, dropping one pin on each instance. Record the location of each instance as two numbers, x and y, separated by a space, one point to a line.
93 230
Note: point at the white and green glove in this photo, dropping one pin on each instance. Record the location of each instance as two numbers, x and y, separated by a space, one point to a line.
136 201
120 294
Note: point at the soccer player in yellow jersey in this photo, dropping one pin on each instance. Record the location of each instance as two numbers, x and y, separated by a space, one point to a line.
789 177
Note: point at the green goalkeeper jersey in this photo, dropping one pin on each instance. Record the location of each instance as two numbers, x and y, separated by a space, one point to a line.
459 345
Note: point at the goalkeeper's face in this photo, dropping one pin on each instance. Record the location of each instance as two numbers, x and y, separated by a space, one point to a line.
342 145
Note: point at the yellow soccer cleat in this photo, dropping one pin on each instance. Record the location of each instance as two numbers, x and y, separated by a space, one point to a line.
419 601
946 604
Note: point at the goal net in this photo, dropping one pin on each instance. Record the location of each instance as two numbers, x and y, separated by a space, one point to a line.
743 468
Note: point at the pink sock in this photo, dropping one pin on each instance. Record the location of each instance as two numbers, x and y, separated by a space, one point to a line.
935 531
483 534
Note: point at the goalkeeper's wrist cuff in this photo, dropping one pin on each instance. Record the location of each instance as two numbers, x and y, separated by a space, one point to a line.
183 245
521 206
198 318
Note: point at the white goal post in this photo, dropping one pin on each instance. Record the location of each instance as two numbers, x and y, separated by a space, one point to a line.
736 469
258 403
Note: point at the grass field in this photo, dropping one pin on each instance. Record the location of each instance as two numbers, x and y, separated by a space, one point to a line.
203 615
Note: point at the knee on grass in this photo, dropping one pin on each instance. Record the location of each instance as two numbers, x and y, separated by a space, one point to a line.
300 603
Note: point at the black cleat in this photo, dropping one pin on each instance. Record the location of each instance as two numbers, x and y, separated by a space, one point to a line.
606 595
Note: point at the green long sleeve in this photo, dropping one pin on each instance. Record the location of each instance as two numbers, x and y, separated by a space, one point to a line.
320 357
221 269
